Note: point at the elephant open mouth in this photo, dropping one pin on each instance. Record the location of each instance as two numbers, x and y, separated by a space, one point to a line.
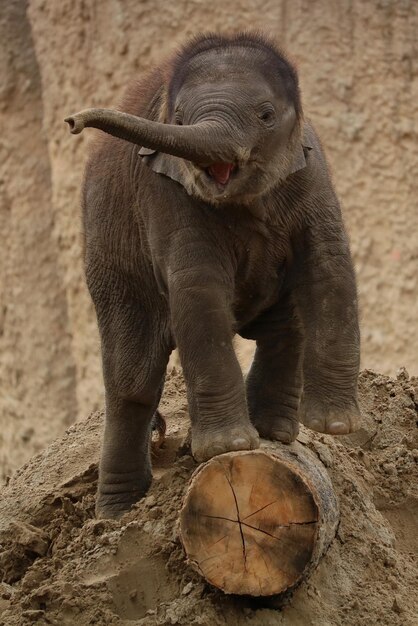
221 172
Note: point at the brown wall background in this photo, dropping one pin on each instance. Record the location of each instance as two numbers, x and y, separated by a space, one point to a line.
358 66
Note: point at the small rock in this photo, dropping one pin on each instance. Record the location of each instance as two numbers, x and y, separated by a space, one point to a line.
187 462
33 614
402 374
155 512
29 537
303 438
148 526
324 454
364 457
397 605
6 591
150 501
187 589
389 561
389 468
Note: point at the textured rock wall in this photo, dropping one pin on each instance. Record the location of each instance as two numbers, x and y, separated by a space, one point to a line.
37 367
358 65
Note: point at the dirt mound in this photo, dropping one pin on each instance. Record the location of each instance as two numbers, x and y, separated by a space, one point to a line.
61 566
357 67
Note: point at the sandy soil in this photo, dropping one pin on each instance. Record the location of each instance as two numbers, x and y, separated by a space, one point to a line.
61 566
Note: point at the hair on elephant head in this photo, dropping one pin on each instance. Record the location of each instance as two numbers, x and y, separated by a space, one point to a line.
226 122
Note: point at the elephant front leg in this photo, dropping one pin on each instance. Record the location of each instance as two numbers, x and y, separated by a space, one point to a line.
135 351
274 382
202 326
327 301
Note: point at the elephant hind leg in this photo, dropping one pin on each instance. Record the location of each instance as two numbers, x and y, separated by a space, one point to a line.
274 381
326 297
125 468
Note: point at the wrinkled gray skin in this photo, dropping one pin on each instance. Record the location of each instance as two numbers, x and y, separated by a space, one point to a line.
174 258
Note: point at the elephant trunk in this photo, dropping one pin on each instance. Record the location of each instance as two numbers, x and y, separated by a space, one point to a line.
203 143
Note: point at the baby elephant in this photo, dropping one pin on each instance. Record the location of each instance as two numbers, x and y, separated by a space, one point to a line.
209 211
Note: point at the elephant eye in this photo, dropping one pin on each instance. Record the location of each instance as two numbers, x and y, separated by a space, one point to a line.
267 114
178 118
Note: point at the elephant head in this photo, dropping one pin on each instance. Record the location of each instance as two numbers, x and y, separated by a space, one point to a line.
230 127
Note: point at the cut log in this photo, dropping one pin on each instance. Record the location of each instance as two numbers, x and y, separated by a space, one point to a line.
257 522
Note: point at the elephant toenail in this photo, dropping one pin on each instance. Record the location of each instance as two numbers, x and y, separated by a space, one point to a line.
316 425
282 436
240 443
338 428
215 449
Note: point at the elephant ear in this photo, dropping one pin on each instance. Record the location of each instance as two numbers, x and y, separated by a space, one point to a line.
171 166
146 152
299 161
160 162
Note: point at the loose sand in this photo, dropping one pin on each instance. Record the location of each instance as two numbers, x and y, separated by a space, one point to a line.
62 566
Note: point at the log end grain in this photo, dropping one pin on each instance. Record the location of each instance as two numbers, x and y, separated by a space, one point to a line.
250 522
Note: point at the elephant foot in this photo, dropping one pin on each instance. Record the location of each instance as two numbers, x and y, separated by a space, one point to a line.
207 443
331 420
280 428
117 492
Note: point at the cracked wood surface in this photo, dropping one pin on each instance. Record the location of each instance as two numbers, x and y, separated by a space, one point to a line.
251 521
